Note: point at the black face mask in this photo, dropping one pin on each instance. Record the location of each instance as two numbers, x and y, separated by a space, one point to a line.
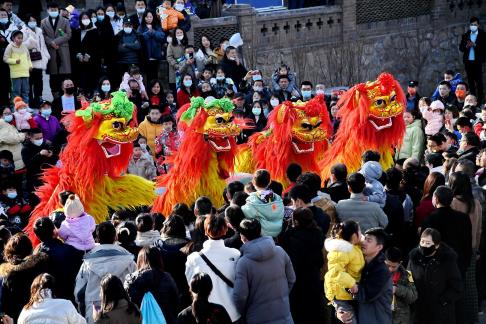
135 92
207 94
427 251
70 90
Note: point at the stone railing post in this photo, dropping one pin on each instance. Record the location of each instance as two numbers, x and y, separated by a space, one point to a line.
246 18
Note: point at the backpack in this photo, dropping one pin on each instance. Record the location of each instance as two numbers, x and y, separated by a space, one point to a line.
151 312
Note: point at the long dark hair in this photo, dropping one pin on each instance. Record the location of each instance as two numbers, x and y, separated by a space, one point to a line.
462 189
112 292
434 180
150 258
201 286
345 230
155 20
174 39
203 49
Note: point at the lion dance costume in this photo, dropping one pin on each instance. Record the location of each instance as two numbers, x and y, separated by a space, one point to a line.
296 133
92 164
205 156
371 119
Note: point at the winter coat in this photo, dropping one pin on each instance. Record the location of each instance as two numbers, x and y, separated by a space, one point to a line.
205 59
107 37
435 122
127 77
35 162
270 214
173 17
405 295
439 285
368 214
143 167
119 315
150 130
162 287
17 279
24 120
129 47
322 210
11 140
479 48
50 310
232 70
292 84
345 262
375 293
374 190
264 279
475 215
304 247
14 53
34 40
152 42
216 314
184 97
224 259
86 73
413 142
64 264
147 238
338 191
49 127
174 53
470 154
455 230
103 259
423 210
60 34
78 232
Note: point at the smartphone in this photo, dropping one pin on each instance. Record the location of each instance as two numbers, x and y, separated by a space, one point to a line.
191 56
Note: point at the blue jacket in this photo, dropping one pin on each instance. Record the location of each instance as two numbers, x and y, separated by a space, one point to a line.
152 41
457 78
270 214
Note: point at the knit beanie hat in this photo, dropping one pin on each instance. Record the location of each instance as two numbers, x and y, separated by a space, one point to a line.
73 207
371 170
437 104
19 103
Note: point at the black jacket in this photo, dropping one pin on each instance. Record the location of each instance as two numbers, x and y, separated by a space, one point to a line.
57 107
162 287
35 162
479 49
338 191
470 154
455 230
233 71
439 285
217 314
396 224
234 241
135 21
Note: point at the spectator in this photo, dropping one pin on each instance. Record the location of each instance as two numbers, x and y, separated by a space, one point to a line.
8 6
17 56
412 96
142 164
374 190
137 18
48 124
221 84
469 147
187 90
169 16
175 56
219 51
293 171
115 20
446 96
434 115
301 198
166 144
368 214
66 103
218 262
205 55
473 45
285 92
57 33
126 233
303 243
436 143
19 272
413 141
153 38
146 236
14 205
269 270
105 258
129 47
6 29
151 277
11 138
7 166
44 304
116 306
306 90
284 70
433 265
337 187
189 66
106 34
423 210
201 310
232 66
185 23
264 205
104 88
151 127
462 90
234 216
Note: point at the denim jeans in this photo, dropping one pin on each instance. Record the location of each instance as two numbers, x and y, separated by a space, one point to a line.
21 88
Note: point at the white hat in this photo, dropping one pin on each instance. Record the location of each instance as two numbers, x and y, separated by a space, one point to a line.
73 207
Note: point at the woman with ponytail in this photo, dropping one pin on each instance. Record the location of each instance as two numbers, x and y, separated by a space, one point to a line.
202 311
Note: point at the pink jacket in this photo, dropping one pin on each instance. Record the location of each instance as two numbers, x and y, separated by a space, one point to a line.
124 84
78 232
435 122
22 120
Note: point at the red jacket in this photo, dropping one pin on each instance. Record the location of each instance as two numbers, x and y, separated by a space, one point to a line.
183 97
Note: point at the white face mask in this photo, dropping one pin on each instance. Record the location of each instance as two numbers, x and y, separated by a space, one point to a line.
127 30
257 89
319 92
473 28
169 39
256 111
180 37
140 10
110 14
94 20
179 7
32 24
274 102
53 14
85 22
105 87
38 142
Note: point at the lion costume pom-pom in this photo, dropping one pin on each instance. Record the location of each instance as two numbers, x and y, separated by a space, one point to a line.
371 116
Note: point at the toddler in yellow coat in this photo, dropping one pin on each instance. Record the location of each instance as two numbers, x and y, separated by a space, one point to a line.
345 262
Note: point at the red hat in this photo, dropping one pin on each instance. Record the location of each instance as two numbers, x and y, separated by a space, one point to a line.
19 103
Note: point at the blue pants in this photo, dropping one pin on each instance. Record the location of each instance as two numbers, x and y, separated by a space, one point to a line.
21 88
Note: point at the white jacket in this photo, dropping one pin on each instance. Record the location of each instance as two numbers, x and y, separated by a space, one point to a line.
11 139
35 40
51 311
224 259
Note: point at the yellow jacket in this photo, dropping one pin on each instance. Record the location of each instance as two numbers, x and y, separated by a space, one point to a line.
345 262
11 55
150 131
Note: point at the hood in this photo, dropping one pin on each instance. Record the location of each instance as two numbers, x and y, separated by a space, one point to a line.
27 263
259 249
338 245
415 123
371 170
253 199
108 258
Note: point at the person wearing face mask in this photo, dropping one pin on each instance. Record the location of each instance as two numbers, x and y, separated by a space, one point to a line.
473 46
306 91
412 95
232 66
175 55
185 23
57 33
36 154
10 138
434 115
137 17
104 88
66 103
186 91
23 118
153 39
48 124
436 277
274 100
106 36
85 50
14 204
462 90
129 47
34 41
220 84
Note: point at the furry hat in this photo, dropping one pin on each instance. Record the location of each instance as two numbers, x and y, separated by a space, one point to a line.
19 103
437 104
73 207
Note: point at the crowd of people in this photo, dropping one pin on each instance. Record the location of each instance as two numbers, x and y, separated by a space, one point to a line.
403 245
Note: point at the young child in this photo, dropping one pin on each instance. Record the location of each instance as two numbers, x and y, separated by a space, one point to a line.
15 206
77 229
264 204
169 17
23 119
404 291
434 115
141 164
169 98
18 58
133 74
284 70
166 144
142 141
374 188
345 262
57 216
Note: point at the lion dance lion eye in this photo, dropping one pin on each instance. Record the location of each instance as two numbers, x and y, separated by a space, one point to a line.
117 125
219 120
380 102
